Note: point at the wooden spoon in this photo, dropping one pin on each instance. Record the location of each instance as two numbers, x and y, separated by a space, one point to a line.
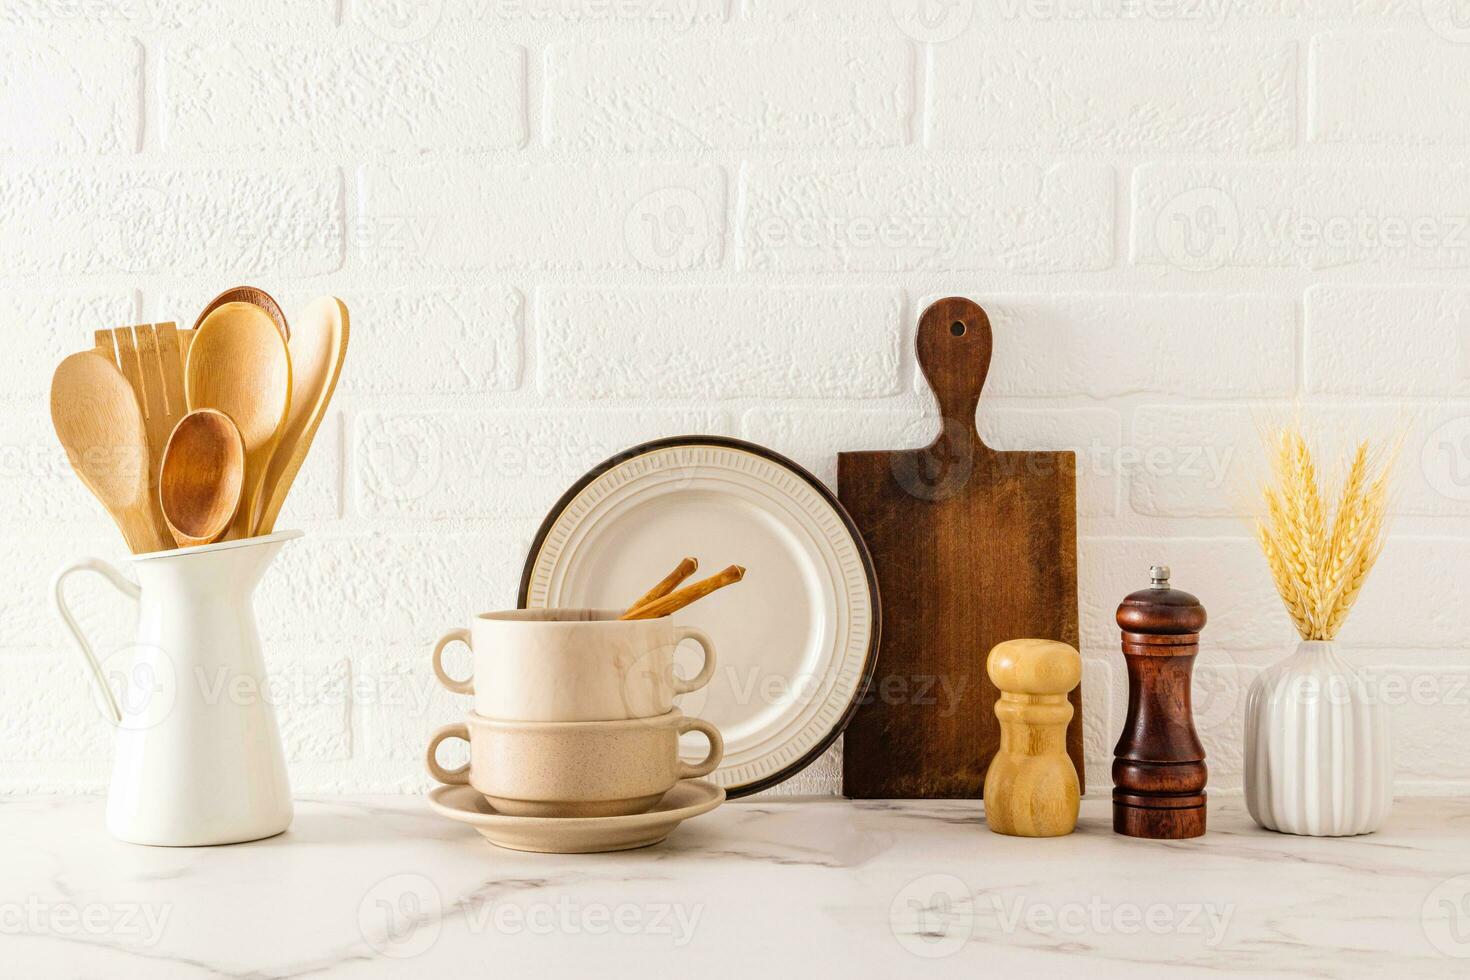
248 294
100 425
318 347
239 365
203 474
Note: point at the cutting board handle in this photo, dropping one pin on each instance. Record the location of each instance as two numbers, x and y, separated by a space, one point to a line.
954 345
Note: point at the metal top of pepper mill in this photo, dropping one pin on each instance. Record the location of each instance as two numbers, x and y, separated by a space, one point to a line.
1160 608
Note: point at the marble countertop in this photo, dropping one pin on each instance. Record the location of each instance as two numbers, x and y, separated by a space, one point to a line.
816 888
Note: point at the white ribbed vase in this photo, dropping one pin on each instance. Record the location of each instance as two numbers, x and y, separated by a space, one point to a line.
1318 756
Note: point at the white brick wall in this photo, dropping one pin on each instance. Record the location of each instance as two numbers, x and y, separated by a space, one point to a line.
564 226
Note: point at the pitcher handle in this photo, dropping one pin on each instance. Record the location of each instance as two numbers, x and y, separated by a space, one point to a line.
120 582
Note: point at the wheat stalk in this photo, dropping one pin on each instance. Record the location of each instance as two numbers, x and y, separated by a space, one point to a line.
1318 573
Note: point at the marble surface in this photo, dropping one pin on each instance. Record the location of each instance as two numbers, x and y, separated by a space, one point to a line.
819 888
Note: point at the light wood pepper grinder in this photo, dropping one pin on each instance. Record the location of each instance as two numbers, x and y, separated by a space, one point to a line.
1159 769
1031 785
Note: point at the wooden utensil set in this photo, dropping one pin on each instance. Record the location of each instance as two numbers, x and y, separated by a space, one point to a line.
192 436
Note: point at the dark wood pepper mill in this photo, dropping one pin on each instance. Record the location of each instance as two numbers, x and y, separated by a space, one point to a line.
1159 769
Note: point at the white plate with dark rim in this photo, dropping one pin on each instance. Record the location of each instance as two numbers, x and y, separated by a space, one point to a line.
796 641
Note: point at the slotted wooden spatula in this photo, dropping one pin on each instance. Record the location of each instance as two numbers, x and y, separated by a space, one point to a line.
972 547
151 358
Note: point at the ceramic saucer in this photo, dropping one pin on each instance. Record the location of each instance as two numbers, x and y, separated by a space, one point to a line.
577 835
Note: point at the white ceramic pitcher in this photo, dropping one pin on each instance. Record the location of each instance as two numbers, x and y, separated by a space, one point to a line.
198 753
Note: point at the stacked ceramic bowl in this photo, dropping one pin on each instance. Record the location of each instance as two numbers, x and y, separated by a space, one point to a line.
574 712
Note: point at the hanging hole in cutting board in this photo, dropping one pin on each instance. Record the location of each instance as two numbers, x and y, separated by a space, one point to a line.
957 329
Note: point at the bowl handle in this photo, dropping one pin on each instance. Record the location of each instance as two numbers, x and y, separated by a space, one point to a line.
716 748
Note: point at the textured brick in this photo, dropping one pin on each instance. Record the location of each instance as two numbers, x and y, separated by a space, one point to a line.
1103 345
718 342
1430 707
1208 461
1206 217
463 93
47 710
787 92
1227 574
311 692
494 464
1388 87
47 325
813 438
1099 730
405 341
945 215
37 481
170 221
1388 340
386 589
206 16
1213 97
27 619
81 96
553 217
675 15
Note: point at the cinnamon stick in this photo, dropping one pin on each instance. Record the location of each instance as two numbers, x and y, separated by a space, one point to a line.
685 568
675 601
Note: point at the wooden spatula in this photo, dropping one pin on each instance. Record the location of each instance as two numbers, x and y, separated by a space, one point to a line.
318 348
972 547
150 357
100 426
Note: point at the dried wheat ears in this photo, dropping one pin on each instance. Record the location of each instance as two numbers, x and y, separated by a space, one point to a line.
1319 572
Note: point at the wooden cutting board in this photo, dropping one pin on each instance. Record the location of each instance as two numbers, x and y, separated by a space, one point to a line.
972 547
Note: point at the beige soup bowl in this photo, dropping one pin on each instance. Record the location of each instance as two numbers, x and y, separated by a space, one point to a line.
574 768
572 665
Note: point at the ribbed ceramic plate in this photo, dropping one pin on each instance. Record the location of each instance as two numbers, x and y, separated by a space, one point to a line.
796 640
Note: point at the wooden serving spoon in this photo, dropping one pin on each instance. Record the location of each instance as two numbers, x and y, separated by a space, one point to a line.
318 348
248 294
203 474
239 365
100 425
